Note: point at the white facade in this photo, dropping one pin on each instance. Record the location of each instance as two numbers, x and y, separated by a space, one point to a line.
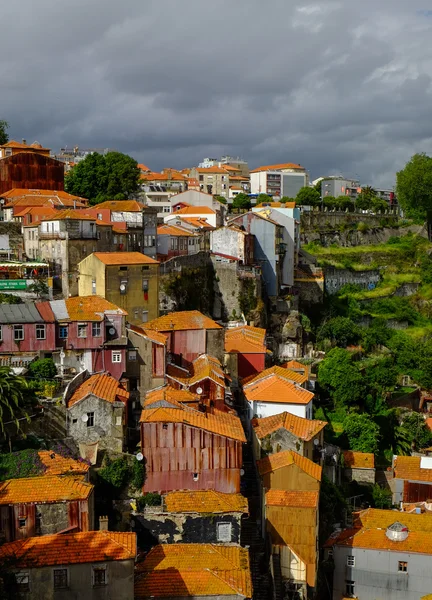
161 201
195 198
269 409
209 217
278 183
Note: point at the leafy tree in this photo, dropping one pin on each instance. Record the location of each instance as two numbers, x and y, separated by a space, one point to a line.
44 368
4 138
10 299
115 473
379 205
393 435
382 497
138 474
220 199
382 376
414 186
341 331
417 431
242 201
263 198
308 196
113 176
378 334
363 434
341 378
286 199
405 351
39 287
330 202
14 396
426 269
344 202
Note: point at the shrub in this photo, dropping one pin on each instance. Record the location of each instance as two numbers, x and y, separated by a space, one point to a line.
362 227
116 472
43 368
149 499
138 474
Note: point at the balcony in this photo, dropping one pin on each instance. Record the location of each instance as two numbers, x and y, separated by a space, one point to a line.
68 235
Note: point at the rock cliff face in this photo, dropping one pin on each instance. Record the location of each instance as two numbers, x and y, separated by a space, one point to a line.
354 237
287 335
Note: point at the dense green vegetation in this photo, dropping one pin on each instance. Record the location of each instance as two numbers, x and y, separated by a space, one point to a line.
414 186
20 464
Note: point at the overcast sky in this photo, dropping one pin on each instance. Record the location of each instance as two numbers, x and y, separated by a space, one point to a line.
338 86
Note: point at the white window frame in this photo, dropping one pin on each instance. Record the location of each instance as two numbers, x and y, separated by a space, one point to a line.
82 327
19 577
116 356
220 528
119 421
18 328
350 561
96 329
41 329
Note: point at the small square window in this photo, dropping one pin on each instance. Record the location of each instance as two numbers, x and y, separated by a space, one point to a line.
82 330
402 566
132 355
116 356
90 419
22 522
60 579
144 316
23 581
74 420
350 561
195 476
145 285
99 576
118 421
96 329
165 426
18 333
63 332
40 332
223 532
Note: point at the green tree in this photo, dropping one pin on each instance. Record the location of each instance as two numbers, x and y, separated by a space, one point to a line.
377 334
363 434
4 126
14 396
344 202
341 331
330 202
414 186
242 201
308 196
339 375
417 431
39 287
44 368
382 497
382 376
113 176
286 199
263 198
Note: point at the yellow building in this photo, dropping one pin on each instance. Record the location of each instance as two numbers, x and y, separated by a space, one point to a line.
128 279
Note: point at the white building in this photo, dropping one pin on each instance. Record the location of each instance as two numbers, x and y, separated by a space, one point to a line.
278 180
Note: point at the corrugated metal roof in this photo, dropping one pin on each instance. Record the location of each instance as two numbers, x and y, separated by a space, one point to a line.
59 309
19 313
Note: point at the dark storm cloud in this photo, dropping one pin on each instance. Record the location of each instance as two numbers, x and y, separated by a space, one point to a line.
340 86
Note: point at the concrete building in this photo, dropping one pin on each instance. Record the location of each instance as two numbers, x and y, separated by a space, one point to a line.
157 197
386 554
289 219
193 518
339 186
269 249
89 566
279 180
213 180
97 411
359 466
128 279
193 571
175 240
196 212
233 241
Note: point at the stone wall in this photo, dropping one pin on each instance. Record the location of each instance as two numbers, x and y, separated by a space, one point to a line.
321 220
53 517
360 475
344 233
335 279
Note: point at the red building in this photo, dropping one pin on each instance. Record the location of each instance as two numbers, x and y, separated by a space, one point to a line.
27 506
245 351
31 170
412 479
187 449
189 334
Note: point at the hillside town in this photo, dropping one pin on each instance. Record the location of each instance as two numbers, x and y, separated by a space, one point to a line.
217 383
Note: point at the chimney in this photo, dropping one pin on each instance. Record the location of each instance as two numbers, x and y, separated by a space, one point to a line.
24 141
103 523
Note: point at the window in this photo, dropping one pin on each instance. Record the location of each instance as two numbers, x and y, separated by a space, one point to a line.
118 421
74 420
63 332
350 588
18 332
223 532
123 269
402 566
40 332
22 522
116 356
90 419
82 330
94 287
144 316
60 578
145 285
195 476
96 329
350 561
132 355
99 576
23 581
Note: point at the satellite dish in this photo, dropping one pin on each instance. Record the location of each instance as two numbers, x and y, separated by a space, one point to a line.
199 390
122 287
316 442
84 418
139 456
111 331
242 472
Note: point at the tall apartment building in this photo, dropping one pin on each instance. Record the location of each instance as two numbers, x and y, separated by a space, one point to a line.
285 179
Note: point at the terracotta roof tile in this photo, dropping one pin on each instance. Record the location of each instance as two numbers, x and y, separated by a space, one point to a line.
223 424
246 340
102 386
45 311
358 460
287 458
15 195
121 205
184 570
207 501
69 213
195 210
217 170
44 489
408 468
275 385
59 465
294 365
90 308
71 548
170 395
181 321
175 231
293 499
278 167
154 336
280 372
305 429
124 258
197 222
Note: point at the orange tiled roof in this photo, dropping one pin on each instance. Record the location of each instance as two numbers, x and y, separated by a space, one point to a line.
305 429
44 489
102 386
231 168
124 258
207 501
90 308
408 468
174 230
278 167
39 212
121 205
203 367
294 365
142 167
275 385
181 321
17 194
293 499
220 170
358 460
69 213
287 458
171 395
154 336
224 424
183 570
245 339
195 210
59 465
429 424
71 548
369 532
